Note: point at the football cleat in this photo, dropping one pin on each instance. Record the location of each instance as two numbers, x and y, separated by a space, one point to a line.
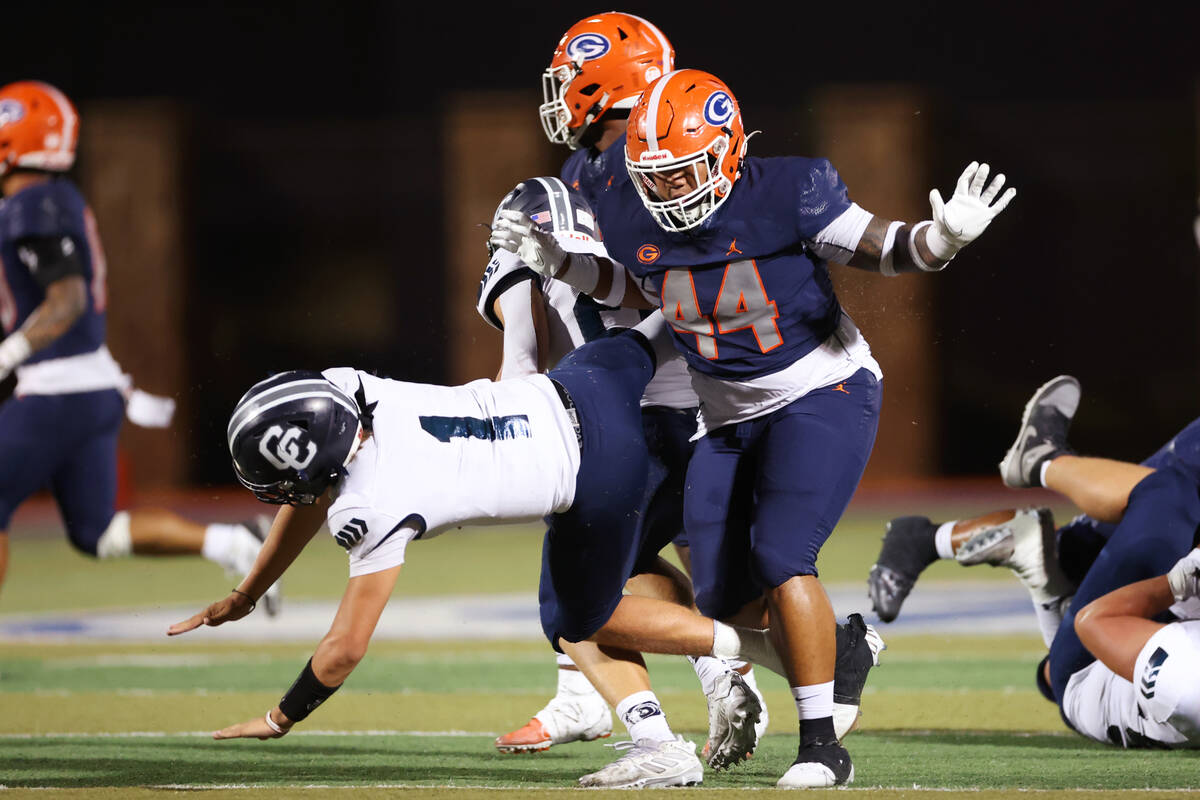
1043 433
649 764
858 649
734 710
908 548
566 718
1025 544
821 764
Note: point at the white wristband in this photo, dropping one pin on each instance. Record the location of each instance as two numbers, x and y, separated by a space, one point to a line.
273 725
932 241
941 248
887 257
13 351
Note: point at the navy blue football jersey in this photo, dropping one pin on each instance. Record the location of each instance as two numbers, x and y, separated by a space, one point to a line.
54 208
594 173
744 293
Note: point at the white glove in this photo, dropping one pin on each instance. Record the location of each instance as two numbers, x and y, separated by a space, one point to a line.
13 352
959 222
517 233
1184 577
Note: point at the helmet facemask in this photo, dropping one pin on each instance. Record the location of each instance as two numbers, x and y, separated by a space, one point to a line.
692 209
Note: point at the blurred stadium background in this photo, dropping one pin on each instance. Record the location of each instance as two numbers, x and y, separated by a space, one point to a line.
284 185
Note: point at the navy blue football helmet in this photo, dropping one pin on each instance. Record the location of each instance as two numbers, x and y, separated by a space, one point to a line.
552 204
292 435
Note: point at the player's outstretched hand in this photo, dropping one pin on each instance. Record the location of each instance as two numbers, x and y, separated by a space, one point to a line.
515 232
233 607
1184 577
256 728
972 208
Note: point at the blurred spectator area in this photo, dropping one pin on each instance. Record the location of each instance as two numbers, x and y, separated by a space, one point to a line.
241 245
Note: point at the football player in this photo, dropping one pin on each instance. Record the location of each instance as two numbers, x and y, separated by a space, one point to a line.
542 320
735 250
1096 582
59 428
385 462
597 71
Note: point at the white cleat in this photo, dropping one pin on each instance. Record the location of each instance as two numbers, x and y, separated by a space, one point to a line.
649 764
734 711
1026 545
566 718
242 553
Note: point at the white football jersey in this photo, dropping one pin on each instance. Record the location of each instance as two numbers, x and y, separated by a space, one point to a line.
441 457
1161 708
577 318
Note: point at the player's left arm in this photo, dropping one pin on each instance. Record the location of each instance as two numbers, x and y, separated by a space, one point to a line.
335 658
521 310
1116 626
894 247
597 276
54 263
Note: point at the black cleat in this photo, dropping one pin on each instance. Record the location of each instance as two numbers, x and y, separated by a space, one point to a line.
908 549
821 764
1043 434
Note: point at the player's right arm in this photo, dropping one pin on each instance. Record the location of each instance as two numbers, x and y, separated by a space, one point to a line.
521 310
293 528
604 279
1116 626
54 263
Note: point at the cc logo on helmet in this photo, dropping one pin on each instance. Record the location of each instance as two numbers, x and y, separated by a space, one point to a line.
718 109
587 47
648 253
287 449
10 111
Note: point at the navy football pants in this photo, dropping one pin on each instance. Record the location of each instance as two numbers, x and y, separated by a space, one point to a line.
67 443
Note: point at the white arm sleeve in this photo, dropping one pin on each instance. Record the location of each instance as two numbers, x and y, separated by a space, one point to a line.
838 240
520 337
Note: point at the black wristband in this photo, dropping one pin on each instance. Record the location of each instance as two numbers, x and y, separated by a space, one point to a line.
253 602
305 695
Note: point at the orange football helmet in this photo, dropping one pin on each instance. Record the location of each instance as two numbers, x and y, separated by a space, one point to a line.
39 127
600 63
685 136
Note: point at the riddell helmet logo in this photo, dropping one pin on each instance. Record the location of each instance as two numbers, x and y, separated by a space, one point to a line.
718 109
587 47
10 111
648 253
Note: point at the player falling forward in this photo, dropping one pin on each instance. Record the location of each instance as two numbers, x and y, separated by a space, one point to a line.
1098 584
596 73
59 429
734 249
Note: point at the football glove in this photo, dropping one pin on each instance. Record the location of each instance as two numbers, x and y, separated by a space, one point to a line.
515 232
1184 577
960 221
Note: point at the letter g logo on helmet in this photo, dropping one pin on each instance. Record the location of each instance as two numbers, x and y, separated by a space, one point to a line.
287 449
587 47
718 109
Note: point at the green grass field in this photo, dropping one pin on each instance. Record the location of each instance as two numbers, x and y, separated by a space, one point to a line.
942 714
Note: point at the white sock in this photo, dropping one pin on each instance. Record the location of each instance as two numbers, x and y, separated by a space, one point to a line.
941 540
708 669
732 642
565 660
117 540
1050 616
1042 471
814 701
219 540
644 718
572 681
